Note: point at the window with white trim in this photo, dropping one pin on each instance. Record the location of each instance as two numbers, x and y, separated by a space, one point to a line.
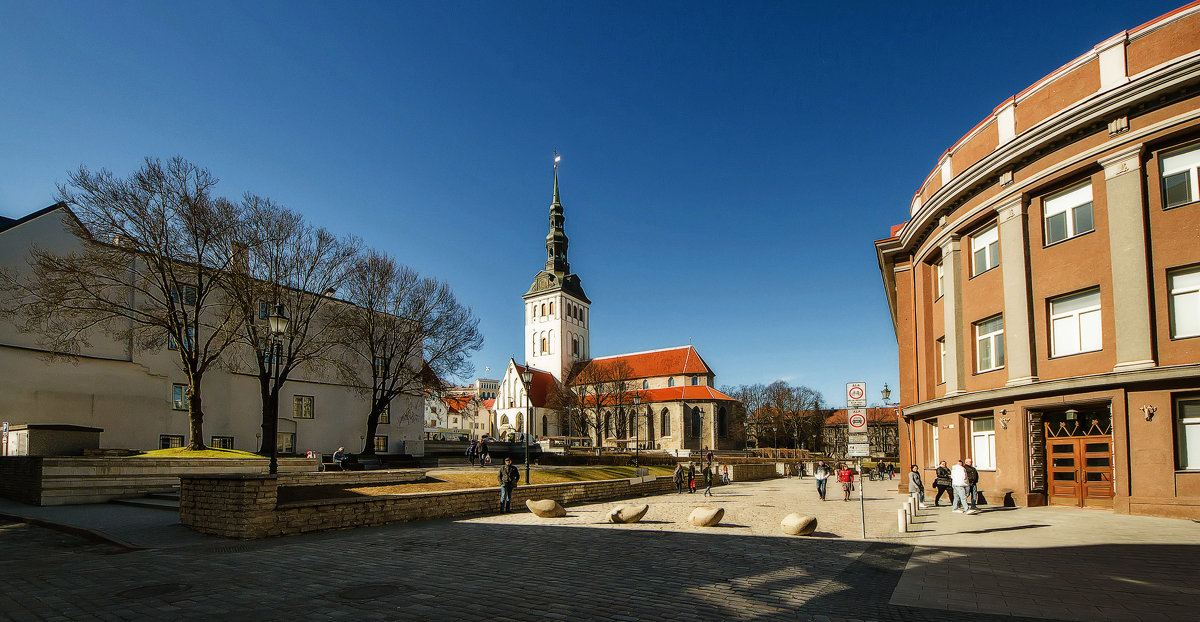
983 442
985 250
170 441
1075 323
1068 213
989 344
941 361
670 382
302 406
1185 302
941 279
1180 177
1187 432
179 396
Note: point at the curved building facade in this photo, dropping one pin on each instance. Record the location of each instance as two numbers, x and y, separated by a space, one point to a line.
1045 291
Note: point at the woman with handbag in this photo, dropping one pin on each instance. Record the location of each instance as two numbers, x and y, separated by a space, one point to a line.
942 483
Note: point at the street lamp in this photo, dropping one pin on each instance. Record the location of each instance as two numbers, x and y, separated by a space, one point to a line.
885 393
637 446
278 324
527 377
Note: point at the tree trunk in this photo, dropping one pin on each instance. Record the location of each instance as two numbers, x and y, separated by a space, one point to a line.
269 423
195 415
372 426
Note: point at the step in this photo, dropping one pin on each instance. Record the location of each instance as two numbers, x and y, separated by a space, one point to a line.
147 502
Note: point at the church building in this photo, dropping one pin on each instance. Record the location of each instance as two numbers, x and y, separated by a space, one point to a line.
667 398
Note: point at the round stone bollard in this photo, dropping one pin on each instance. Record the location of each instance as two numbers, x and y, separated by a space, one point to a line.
901 521
706 517
545 508
797 525
628 513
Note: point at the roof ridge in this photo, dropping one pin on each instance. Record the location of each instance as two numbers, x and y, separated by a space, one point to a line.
613 356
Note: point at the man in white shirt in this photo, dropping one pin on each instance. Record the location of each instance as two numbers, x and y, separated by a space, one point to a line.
958 479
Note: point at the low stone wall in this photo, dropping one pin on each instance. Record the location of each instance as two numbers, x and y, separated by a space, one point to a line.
246 506
66 481
358 478
750 472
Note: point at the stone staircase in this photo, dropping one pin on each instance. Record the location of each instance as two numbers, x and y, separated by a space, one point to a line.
168 501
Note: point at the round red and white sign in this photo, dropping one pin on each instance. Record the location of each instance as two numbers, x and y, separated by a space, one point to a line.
856 393
858 421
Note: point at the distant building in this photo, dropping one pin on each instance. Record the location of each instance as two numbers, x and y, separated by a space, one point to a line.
883 434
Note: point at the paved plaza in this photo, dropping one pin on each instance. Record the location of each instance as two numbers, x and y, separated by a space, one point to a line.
1039 563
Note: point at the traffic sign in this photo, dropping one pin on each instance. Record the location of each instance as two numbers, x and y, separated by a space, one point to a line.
858 450
856 395
857 438
856 420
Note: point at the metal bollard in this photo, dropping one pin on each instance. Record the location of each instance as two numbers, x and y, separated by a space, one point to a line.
901 523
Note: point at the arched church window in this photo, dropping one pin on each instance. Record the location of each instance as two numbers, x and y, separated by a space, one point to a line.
649 424
664 423
543 345
696 422
722 423
670 382
545 425
607 425
552 309
503 419
543 308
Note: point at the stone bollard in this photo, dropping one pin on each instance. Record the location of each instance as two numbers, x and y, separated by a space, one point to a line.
901 521
912 505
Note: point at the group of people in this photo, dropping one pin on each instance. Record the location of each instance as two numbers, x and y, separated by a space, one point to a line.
845 476
960 483
478 450
687 476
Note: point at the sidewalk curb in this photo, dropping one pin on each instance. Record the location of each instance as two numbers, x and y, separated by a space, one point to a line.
75 530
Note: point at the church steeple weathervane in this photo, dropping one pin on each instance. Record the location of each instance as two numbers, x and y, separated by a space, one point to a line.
556 240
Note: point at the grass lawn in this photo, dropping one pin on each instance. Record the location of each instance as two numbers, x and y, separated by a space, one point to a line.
465 480
183 452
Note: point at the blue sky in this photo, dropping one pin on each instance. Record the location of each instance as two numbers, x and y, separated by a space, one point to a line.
726 166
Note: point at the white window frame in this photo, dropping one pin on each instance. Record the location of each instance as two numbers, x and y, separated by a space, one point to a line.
940 266
1077 329
941 372
1187 434
934 441
179 396
1068 202
994 337
1184 288
298 407
983 444
987 241
1185 162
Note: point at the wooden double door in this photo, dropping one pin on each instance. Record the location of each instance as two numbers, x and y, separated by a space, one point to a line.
1080 471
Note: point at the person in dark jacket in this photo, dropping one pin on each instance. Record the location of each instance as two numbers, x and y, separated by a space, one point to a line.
471 453
942 483
508 476
341 458
483 453
677 477
972 486
708 477
691 478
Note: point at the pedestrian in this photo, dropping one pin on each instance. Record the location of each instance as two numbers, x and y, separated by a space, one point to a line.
821 474
471 453
846 476
958 479
708 457
691 478
341 458
891 471
708 477
916 485
484 458
942 483
972 486
725 474
677 477
508 477
800 469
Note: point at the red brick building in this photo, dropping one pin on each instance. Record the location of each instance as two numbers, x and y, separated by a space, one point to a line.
1045 292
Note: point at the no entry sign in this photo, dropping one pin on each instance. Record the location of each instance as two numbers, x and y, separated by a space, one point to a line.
856 420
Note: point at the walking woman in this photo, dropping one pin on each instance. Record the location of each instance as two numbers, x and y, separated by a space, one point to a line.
691 478
846 476
942 483
677 477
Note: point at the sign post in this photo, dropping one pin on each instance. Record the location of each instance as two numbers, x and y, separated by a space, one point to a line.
4 438
858 444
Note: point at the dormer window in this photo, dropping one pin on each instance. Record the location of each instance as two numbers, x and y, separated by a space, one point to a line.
670 382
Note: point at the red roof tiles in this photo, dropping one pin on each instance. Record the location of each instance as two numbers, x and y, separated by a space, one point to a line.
542 386
668 362
874 415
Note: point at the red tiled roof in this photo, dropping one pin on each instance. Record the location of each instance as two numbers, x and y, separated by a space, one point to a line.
668 362
489 404
457 403
669 394
887 414
542 386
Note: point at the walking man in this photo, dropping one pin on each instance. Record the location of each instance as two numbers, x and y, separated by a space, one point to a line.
958 480
972 486
708 477
471 453
821 474
916 485
483 453
508 476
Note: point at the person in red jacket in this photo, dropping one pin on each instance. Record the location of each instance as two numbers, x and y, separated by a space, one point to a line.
846 477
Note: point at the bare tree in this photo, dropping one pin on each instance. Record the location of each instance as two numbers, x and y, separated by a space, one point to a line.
604 392
281 265
752 398
409 331
147 270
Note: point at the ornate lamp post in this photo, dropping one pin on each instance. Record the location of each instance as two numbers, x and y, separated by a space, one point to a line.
885 393
637 445
527 377
279 325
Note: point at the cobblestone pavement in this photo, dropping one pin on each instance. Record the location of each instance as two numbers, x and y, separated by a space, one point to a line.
518 567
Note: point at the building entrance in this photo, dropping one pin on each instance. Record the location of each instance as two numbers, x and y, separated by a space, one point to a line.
1079 459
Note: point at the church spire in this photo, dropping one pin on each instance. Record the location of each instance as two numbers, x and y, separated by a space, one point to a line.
556 240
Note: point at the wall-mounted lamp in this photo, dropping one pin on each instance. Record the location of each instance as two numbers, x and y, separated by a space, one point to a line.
1149 411
1072 414
1003 420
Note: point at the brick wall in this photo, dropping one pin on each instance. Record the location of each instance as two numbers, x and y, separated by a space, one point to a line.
21 479
748 472
246 506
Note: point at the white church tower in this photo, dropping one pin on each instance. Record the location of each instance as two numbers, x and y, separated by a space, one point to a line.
556 309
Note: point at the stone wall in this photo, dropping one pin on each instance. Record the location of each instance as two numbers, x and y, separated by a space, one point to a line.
65 481
246 506
749 472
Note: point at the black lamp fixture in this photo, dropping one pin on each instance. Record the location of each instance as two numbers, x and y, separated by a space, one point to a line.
527 378
885 393
637 402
